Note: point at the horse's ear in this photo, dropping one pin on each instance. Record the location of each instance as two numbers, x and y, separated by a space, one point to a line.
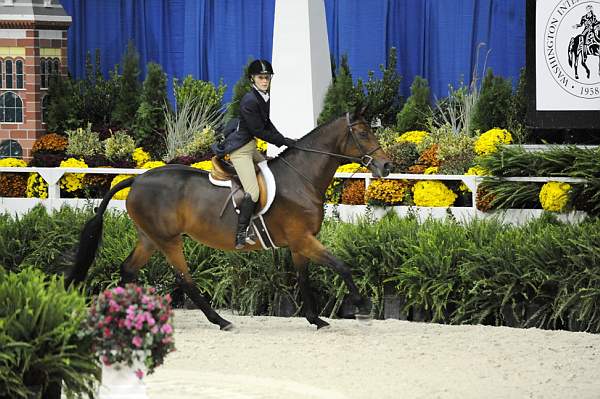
359 111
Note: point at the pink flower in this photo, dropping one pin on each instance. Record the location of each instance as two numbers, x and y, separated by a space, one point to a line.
119 290
154 330
167 340
166 329
107 333
139 373
105 360
107 319
137 341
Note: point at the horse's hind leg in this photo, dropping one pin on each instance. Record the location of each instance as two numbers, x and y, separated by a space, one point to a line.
309 305
173 250
137 258
311 248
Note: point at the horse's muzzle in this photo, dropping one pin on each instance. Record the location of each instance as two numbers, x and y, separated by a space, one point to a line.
381 169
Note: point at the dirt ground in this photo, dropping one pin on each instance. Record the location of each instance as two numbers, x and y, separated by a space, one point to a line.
273 357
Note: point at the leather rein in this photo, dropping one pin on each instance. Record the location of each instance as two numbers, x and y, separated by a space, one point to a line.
364 160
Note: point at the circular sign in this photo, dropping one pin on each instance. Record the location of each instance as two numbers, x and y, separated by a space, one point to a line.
572 47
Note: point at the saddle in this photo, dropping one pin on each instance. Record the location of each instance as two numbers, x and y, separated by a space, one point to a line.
223 174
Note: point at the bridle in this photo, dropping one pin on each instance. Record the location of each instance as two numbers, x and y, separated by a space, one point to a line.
365 160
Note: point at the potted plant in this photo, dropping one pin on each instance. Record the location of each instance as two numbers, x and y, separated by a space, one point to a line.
42 345
132 332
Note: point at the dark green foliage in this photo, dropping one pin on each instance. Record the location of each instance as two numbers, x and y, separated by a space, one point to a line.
98 95
41 336
149 119
480 272
341 96
382 96
128 98
517 117
63 104
404 155
492 108
242 87
416 110
201 91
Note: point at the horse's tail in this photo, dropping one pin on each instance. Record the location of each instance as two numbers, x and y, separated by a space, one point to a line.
89 239
572 51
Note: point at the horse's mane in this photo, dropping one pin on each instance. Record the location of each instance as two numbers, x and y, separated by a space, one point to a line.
308 138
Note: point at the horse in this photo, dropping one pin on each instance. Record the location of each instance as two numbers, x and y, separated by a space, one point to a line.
578 47
167 202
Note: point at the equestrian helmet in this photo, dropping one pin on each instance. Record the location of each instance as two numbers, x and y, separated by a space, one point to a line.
259 67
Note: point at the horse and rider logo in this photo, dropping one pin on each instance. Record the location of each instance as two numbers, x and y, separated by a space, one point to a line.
572 42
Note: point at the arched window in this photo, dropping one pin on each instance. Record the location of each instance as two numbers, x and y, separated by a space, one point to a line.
45 108
8 67
49 67
20 77
43 74
11 108
10 149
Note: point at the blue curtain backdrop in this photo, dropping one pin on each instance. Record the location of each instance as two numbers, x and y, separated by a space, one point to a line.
213 39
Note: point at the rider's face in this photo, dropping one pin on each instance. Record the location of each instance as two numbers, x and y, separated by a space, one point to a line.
262 81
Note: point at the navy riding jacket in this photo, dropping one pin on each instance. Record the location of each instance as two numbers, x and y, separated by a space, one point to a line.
254 122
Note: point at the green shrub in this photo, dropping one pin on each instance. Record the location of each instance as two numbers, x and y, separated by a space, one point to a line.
382 96
494 104
149 118
403 154
199 91
83 142
341 96
517 118
64 104
119 146
416 111
241 87
128 97
41 339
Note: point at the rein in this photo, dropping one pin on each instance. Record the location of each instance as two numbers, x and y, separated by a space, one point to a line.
364 160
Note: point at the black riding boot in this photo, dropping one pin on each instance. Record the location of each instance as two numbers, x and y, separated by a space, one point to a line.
246 210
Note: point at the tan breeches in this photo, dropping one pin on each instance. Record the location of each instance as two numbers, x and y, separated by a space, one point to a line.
243 160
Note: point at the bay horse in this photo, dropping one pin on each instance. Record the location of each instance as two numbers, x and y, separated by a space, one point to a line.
579 48
167 202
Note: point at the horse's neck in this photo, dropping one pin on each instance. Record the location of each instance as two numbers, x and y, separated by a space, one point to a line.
317 169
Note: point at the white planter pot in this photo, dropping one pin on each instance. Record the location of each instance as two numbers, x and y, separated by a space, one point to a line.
119 381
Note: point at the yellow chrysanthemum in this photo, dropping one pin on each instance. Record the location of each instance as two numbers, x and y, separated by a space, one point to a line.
153 164
261 145
140 156
432 170
415 136
489 141
333 192
389 192
36 186
12 163
351 168
204 165
433 193
122 194
554 196
473 171
72 181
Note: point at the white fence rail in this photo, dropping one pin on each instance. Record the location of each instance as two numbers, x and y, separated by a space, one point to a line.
52 176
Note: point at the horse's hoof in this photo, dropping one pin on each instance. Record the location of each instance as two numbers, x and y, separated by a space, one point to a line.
228 327
364 319
323 325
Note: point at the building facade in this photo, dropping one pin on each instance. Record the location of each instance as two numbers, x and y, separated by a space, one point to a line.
33 45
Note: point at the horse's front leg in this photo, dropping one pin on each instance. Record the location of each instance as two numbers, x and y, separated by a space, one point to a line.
309 306
311 248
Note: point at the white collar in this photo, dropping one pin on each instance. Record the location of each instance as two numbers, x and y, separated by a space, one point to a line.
264 95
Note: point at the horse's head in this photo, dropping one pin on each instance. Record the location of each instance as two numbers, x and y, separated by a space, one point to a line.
360 143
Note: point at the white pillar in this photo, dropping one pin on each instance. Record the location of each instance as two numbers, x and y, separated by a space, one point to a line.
302 67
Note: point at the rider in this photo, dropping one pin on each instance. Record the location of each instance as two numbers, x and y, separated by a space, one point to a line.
588 21
241 145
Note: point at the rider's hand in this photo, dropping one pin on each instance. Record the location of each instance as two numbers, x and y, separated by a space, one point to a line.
289 142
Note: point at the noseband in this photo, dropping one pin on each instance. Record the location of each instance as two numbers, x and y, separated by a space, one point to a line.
365 160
